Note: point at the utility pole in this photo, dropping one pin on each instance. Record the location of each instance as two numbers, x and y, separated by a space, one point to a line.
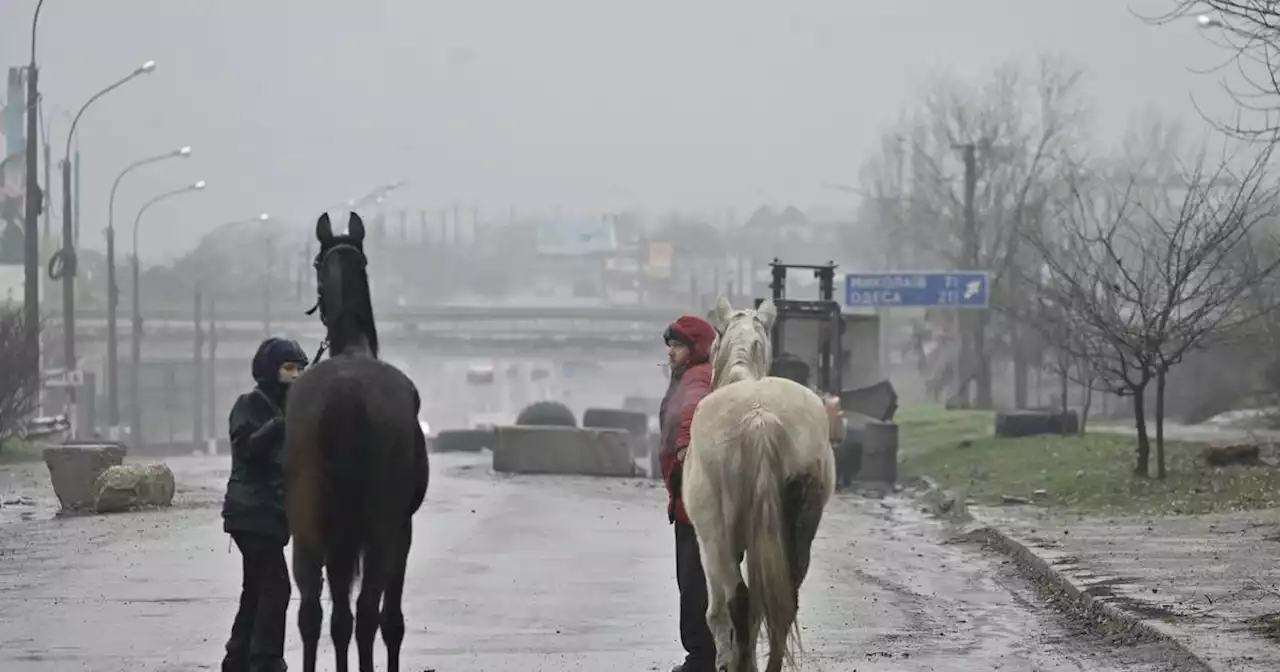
113 340
266 293
135 347
212 397
68 278
197 384
48 180
76 196
31 223
970 347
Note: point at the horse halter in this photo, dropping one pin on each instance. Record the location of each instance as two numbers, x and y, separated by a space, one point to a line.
319 262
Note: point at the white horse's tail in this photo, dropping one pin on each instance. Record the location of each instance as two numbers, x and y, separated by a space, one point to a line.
773 593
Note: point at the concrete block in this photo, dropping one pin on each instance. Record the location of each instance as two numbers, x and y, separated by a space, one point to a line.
75 468
528 449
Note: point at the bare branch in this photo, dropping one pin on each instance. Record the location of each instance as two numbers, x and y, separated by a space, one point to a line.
1138 274
17 372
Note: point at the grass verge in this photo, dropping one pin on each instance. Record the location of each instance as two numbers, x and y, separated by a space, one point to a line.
1090 474
13 451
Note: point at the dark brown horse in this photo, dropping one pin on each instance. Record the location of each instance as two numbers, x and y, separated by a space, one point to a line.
355 466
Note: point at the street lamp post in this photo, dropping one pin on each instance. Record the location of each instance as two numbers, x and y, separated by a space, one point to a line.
63 266
31 220
135 429
113 294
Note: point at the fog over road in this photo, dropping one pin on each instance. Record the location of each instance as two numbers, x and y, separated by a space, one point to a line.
530 573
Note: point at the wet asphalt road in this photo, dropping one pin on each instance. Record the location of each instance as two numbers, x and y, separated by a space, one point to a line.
531 573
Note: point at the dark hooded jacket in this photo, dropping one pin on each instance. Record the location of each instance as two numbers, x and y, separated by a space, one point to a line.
255 490
688 386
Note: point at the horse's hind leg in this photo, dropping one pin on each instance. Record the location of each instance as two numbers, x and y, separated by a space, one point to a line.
392 612
723 578
371 589
745 630
802 513
340 577
310 581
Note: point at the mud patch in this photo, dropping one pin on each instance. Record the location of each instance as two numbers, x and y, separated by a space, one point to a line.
1042 542
1266 625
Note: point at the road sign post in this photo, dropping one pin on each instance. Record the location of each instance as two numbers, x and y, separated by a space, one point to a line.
941 289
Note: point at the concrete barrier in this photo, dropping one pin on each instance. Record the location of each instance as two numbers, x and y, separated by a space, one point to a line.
75 468
528 449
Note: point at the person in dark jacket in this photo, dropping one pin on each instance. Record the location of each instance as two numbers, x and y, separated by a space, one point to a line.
253 511
689 340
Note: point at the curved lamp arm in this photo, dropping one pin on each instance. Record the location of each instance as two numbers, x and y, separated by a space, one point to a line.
145 68
156 199
111 203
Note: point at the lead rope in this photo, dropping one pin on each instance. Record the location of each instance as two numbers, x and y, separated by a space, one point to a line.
324 345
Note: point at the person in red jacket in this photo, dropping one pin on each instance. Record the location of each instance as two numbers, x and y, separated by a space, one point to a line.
689 341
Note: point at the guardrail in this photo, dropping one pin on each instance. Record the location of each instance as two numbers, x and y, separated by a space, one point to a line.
662 314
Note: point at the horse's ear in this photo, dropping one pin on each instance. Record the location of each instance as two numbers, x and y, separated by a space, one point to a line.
355 228
767 313
723 312
324 230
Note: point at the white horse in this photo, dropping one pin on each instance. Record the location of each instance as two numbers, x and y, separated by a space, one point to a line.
758 474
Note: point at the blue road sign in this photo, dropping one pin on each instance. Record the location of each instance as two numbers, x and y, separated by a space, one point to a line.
956 289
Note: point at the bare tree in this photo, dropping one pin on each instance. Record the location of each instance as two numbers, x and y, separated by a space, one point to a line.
1144 264
1021 122
17 373
1248 31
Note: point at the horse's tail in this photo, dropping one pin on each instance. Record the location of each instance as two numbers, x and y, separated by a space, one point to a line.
344 432
773 596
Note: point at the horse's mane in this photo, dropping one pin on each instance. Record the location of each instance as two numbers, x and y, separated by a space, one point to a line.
741 352
356 317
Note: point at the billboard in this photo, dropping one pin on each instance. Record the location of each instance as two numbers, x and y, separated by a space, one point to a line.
576 239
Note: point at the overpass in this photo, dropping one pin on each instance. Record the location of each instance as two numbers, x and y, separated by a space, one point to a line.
456 330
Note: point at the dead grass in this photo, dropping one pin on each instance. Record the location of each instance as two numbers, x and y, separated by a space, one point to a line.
1091 474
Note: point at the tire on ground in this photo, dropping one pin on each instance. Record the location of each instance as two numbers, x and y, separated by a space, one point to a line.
547 414
1014 424
463 440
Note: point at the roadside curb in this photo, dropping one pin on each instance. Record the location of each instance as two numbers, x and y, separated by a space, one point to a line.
1093 608
1099 611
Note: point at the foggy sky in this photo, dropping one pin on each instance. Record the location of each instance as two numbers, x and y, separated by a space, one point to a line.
294 105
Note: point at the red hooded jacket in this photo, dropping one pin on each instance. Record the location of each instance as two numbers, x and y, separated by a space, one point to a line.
688 386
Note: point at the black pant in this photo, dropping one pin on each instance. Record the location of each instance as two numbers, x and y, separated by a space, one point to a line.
694 633
257 634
